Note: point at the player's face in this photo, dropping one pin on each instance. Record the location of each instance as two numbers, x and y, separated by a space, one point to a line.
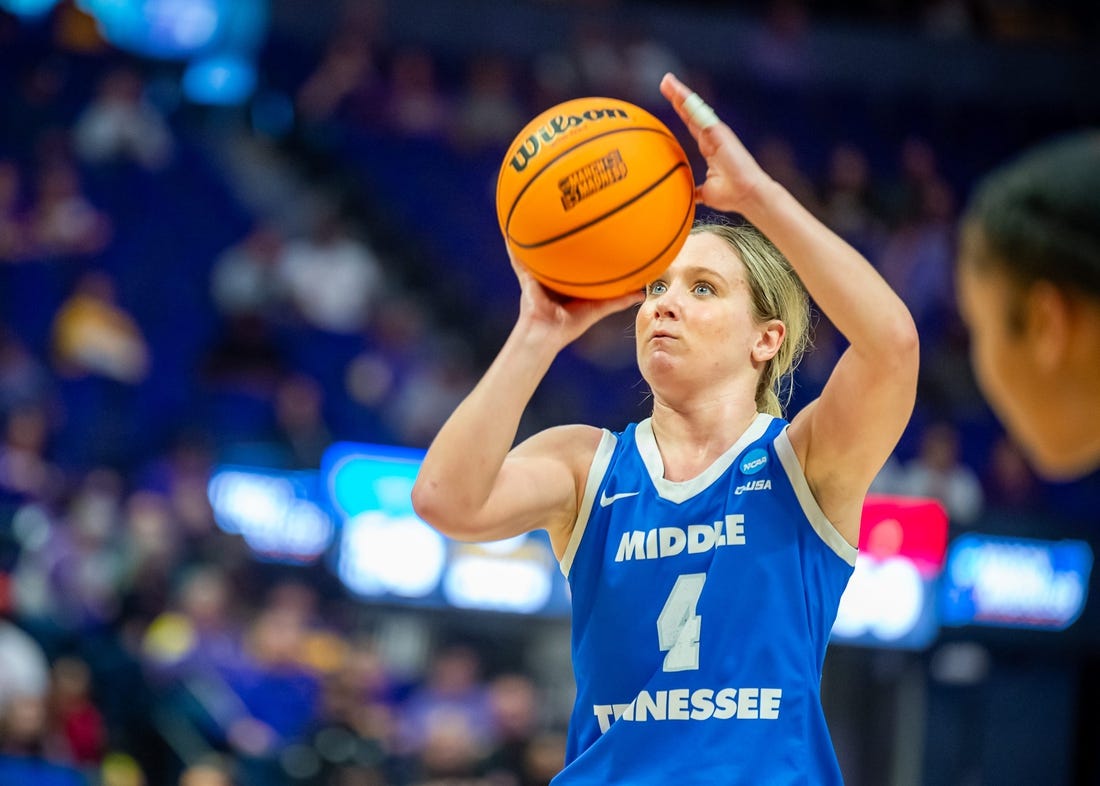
1005 368
695 324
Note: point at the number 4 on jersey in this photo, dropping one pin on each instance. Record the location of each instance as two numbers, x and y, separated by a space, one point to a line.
678 626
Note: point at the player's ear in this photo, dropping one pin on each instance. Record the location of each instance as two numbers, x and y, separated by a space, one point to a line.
1047 324
769 340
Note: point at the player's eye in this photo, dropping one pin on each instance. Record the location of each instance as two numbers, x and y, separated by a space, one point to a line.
656 288
702 288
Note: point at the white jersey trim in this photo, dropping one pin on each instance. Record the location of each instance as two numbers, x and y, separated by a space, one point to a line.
818 520
600 462
679 491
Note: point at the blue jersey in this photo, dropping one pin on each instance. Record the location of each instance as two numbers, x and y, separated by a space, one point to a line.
701 613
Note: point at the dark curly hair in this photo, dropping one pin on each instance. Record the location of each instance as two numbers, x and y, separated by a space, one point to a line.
1039 215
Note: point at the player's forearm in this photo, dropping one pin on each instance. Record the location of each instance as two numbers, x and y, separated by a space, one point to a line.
462 464
841 281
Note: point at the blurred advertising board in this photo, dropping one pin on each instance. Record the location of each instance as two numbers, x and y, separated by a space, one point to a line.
387 553
279 513
1015 582
891 598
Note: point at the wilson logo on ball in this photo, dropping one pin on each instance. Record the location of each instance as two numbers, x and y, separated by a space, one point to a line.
556 127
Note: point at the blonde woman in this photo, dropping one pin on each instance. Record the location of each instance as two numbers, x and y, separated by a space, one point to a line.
707 546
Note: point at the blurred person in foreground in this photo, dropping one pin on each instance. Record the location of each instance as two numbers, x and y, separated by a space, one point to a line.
707 546
1029 290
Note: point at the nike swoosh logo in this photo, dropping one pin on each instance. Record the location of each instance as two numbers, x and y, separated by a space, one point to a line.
606 500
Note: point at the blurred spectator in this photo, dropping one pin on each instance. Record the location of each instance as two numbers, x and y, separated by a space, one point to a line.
847 203
780 53
450 751
488 115
243 281
24 670
918 259
544 759
181 473
398 338
85 564
345 84
514 702
451 709
279 693
415 105
251 703
24 379
902 197
777 155
332 277
645 61
599 60
35 109
26 473
1009 483
210 771
14 240
63 222
555 78
25 757
150 553
367 681
947 381
432 391
938 472
301 432
355 732
244 356
197 634
120 124
92 334
30 590
78 722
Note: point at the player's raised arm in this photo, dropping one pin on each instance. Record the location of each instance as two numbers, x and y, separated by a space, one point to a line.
472 484
844 437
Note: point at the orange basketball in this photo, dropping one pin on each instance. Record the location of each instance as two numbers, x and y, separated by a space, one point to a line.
595 197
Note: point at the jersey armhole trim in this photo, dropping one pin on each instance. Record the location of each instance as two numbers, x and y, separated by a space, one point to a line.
818 520
596 472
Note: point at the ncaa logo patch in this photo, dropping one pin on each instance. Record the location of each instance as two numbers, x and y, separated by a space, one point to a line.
754 461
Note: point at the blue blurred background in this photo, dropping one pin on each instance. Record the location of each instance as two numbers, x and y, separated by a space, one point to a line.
249 262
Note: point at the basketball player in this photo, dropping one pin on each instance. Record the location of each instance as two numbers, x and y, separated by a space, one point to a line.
707 546
1029 289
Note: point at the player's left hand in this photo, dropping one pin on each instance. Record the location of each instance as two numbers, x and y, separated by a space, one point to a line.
734 178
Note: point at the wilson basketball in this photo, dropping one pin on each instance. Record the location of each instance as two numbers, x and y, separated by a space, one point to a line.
595 197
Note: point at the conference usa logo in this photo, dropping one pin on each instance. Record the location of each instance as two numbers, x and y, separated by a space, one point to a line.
555 127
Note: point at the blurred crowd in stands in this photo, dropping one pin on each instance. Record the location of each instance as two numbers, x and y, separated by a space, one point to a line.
182 286
1021 20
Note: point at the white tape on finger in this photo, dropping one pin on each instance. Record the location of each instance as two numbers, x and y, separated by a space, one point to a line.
699 111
